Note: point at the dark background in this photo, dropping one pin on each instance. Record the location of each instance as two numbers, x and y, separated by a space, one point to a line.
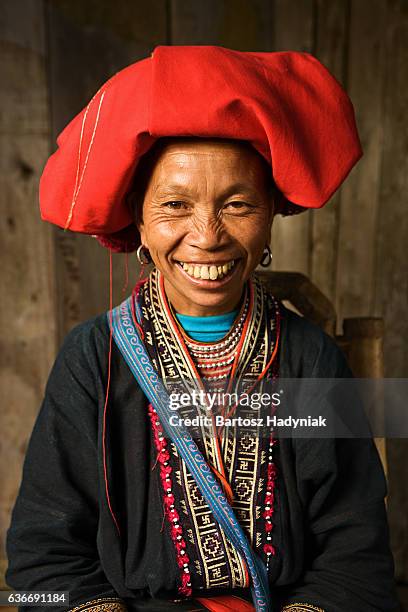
54 56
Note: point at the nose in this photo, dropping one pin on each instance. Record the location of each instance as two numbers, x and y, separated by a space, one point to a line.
207 233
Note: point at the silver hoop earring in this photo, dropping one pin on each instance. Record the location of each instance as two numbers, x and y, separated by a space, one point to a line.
143 255
266 258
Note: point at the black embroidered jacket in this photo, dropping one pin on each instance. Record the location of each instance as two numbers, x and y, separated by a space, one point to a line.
330 532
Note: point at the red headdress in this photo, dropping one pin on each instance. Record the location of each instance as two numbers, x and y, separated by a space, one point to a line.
287 105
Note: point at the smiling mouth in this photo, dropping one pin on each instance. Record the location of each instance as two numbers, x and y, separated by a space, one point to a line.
209 272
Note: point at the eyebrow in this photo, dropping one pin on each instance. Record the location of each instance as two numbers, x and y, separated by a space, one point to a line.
172 187
235 188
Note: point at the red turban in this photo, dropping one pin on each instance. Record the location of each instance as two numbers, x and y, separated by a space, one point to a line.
287 105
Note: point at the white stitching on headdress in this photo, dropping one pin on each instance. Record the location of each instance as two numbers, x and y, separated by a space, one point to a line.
77 186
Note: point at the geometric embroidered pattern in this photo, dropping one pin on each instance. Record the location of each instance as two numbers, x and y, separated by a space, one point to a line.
301 607
102 604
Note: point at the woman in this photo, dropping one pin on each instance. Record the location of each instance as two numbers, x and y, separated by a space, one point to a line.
120 504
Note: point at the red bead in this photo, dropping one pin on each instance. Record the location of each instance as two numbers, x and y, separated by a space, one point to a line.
185 588
174 515
169 500
272 472
180 545
163 457
182 559
176 530
268 548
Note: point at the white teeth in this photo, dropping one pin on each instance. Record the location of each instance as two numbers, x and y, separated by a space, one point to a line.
213 272
207 272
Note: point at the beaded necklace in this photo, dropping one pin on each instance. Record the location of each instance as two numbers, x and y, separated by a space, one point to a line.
214 360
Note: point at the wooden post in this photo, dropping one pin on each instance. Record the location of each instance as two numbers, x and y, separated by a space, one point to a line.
294 31
330 47
364 337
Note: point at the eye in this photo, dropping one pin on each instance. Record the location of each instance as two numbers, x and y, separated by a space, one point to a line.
238 205
174 204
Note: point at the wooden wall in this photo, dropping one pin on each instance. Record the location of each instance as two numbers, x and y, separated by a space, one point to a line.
56 54
28 299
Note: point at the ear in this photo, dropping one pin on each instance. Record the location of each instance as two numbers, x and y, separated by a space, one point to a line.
139 222
142 233
273 206
141 227
136 206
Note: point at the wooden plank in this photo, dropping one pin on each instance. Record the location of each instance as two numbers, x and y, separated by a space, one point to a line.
294 31
236 24
391 271
391 287
26 249
330 48
88 42
360 193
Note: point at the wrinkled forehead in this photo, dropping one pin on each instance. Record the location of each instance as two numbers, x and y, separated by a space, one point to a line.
178 151
196 144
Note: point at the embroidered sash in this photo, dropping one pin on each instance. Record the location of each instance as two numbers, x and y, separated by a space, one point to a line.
127 337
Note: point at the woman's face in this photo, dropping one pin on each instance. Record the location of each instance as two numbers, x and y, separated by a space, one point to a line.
206 219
